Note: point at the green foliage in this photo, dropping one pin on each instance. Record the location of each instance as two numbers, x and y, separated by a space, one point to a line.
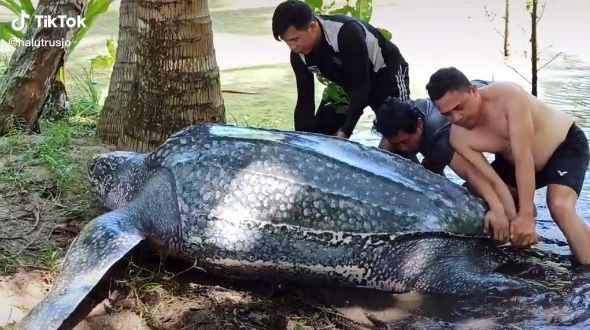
316 5
363 10
105 61
28 7
6 30
50 167
385 33
49 257
86 106
23 157
4 60
16 6
52 153
8 263
94 9
335 95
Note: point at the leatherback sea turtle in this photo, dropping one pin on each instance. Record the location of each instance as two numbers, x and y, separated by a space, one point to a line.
298 206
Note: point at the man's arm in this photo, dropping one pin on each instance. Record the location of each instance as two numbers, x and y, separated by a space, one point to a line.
305 108
435 167
499 223
355 64
521 132
476 158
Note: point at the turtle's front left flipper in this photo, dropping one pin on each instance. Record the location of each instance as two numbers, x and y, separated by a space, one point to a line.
103 242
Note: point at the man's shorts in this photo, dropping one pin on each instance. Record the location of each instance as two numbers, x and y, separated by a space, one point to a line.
567 166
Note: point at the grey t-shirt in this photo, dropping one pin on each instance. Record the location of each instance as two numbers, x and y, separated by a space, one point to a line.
437 130
435 145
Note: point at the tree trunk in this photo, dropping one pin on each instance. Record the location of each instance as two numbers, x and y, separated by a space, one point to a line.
506 29
32 70
56 106
169 78
534 47
123 84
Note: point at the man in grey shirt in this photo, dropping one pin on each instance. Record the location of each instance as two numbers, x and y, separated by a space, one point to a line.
416 127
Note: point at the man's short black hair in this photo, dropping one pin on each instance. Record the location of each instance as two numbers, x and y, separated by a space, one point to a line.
446 80
290 13
394 116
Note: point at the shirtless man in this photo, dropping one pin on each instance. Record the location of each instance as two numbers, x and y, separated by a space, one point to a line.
535 146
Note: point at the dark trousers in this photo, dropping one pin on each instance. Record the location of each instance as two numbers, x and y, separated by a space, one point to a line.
326 120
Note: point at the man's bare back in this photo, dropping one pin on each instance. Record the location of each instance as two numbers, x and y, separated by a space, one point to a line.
492 132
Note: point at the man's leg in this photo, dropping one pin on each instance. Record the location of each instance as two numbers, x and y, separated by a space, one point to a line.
564 174
562 205
327 121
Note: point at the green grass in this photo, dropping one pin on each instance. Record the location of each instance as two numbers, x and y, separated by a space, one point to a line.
49 151
273 104
9 263
49 257
247 22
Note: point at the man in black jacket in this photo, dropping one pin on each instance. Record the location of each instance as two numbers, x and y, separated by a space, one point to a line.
352 54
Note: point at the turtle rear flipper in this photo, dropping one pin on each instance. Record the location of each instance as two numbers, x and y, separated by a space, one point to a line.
103 242
442 263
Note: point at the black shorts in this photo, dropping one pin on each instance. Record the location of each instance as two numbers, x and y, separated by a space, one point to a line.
567 166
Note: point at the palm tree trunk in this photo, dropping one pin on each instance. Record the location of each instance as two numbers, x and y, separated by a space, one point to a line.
123 83
174 81
32 70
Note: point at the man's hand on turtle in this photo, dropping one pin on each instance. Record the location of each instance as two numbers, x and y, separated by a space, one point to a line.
342 134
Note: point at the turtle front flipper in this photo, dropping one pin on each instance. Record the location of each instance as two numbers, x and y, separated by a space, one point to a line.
103 242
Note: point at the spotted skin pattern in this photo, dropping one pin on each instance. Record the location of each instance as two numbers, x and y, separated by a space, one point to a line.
251 202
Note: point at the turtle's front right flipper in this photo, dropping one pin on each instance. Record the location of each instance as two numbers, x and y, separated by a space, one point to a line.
103 242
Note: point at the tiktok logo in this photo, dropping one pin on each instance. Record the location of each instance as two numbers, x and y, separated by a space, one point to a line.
19 23
48 21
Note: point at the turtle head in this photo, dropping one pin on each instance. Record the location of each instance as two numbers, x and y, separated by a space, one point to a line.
117 177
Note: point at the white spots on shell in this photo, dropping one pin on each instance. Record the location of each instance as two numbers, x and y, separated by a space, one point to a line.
208 196
183 207
306 212
339 238
350 273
